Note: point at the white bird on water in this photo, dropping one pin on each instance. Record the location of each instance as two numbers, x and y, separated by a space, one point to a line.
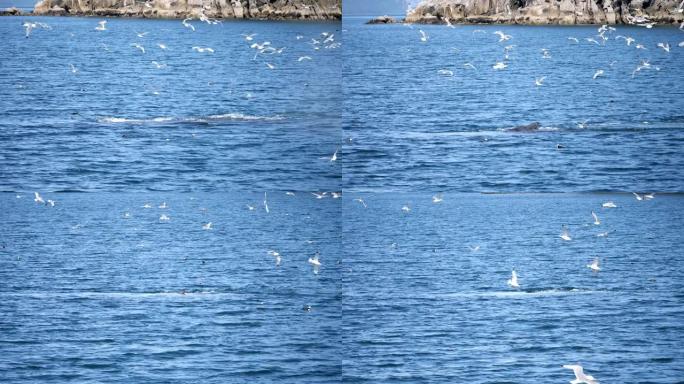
637 196
289 193
140 47
474 248
302 58
38 198
437 198
334 155
163 205
202 50
500 65
207 226
158 65
513 281
565 234
596 219
540 81
163 217
73 68
102 26
423 36
250 207
406 208
609 204
360 200
162 46
468 65
580 376
573 39
315 262
270 66
649 196
594 266
141 34
597 74
445 72
319 195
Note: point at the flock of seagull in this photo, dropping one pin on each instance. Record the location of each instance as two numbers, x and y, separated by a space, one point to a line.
314 260
327 41
263 50
603 35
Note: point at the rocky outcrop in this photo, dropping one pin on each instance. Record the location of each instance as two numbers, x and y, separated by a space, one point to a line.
546 11
382 20
13 11
221 9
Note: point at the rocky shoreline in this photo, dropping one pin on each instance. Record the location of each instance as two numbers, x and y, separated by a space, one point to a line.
542 12
180 9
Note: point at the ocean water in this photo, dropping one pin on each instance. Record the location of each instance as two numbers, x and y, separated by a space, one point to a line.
421 307
408 128
98 288
90 295
201 122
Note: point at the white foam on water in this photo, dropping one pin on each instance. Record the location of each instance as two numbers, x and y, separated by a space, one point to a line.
201 119
521 293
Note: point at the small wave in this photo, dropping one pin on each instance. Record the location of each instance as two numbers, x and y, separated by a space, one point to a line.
523 293
201 119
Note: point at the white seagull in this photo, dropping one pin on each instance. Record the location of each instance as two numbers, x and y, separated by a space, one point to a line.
334 155
101 26
637 196
565 235
500 65
163 217
302 58
513 281
580 376
609 204
140 47
360 200
202 50
594 266
437 199
423 36
38 198
598 73
207 226
188 25
315 262
540 81
664 46
249 37
596 219
266 204
277 257
502 36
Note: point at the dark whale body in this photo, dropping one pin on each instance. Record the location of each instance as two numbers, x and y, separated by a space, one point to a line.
534 127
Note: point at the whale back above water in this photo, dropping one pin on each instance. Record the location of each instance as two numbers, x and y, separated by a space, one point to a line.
532 127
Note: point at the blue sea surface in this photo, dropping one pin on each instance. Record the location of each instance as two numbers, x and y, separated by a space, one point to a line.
423 304
121 281
99 289
202 122
407 127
